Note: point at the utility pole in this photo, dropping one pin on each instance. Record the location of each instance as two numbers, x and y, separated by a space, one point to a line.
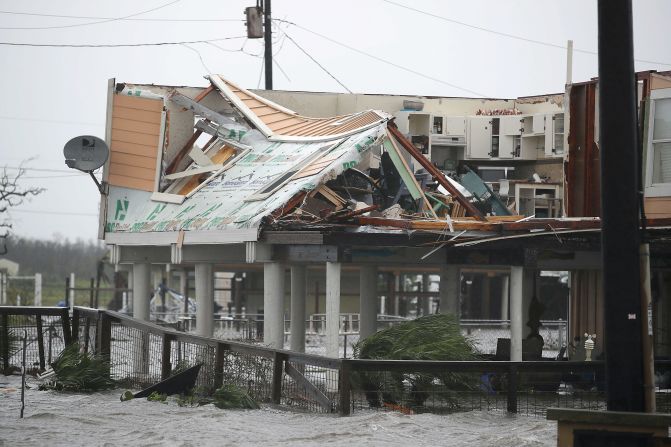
268 45
620 237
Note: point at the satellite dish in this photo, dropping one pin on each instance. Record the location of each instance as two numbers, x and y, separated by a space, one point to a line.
86 153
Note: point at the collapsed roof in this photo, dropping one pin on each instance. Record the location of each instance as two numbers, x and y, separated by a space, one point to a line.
230 160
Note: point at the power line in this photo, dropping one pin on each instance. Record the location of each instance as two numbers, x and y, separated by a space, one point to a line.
138 19
317 63
15 118
503 34
122 45
58 213
23 168
97 22
384 61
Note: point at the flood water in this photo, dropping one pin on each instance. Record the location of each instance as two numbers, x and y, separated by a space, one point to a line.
100 419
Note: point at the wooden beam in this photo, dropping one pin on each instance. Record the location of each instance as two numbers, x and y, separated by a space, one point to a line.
183 151
434 171
308 387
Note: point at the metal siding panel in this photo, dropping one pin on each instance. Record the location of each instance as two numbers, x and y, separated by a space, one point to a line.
130 182
132 171
134 102
145 116
132 160
136 126
134 137
133 148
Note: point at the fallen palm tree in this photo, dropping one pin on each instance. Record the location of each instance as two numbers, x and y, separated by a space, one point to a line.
79 371
434 337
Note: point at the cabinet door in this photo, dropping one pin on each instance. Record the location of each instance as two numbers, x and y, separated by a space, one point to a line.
549 137
554 135
539 124
506 146
455 126
479 137
511 125
402 122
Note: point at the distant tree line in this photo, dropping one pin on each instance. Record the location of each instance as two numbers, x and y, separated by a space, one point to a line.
54 259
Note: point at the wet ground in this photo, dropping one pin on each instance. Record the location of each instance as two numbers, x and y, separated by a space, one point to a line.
100 419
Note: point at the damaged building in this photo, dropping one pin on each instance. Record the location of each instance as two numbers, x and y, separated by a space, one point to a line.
324 210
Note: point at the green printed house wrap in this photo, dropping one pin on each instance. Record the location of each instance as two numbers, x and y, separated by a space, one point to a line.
232 200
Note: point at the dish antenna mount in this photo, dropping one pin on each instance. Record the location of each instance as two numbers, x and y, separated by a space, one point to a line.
87 153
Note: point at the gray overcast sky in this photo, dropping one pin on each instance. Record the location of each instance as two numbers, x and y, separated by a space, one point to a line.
52 94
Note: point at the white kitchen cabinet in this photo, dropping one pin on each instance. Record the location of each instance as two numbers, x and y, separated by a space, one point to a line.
455 126
511 125
479 142
554 135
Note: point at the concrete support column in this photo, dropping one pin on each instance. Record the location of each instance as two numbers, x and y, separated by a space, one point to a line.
426 300
273 304
367 301
332 309
505 293
516 312
141 290
299 284
450 290
204 300
528 293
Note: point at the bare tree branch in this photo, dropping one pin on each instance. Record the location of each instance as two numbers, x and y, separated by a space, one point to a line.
12 194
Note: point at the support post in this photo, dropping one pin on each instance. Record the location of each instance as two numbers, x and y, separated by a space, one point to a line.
65 323
620 239
516 313
40 341
37 301
166 348
73 284
204 300
367 301
278 363
273 304
298 293
513 380
4 319
450 289
141 290
345 388
333 309
505 294
219 357
268 44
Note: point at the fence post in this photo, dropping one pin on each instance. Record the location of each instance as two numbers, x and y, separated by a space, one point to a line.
5 341
166 366
65 321
345 388
512 388
219 365
75 325
104 338
278 361
40 341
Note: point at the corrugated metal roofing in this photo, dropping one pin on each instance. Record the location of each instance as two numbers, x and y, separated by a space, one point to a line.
276 121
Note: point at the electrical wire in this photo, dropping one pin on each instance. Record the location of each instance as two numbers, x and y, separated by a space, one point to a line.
508 35
138 19
58 213
13 118
200 56
121 45
23 168
384 61
97 22
317 63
